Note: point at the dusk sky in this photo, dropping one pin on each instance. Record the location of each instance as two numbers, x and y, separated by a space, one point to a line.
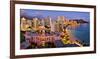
53 14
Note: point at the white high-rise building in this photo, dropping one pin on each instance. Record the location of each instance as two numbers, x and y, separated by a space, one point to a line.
52 25
35 23
23 24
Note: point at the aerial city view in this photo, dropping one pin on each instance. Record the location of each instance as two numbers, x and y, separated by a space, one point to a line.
53 29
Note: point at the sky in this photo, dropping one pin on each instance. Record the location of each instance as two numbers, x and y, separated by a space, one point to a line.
53 14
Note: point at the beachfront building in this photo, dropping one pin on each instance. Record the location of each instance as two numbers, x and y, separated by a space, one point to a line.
24 24
52 29
60 21
34 24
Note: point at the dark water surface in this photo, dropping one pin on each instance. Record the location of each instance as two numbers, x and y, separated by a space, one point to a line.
82 33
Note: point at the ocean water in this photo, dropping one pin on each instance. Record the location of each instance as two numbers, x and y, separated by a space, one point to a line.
82 33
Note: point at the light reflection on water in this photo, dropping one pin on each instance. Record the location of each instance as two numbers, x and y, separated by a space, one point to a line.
82 33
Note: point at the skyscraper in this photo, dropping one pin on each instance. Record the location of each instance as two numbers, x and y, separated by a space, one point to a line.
23 24
34 23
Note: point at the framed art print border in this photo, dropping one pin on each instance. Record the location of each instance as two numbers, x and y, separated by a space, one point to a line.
12 28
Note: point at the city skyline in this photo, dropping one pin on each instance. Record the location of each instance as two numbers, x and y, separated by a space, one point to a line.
53 29
30 13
